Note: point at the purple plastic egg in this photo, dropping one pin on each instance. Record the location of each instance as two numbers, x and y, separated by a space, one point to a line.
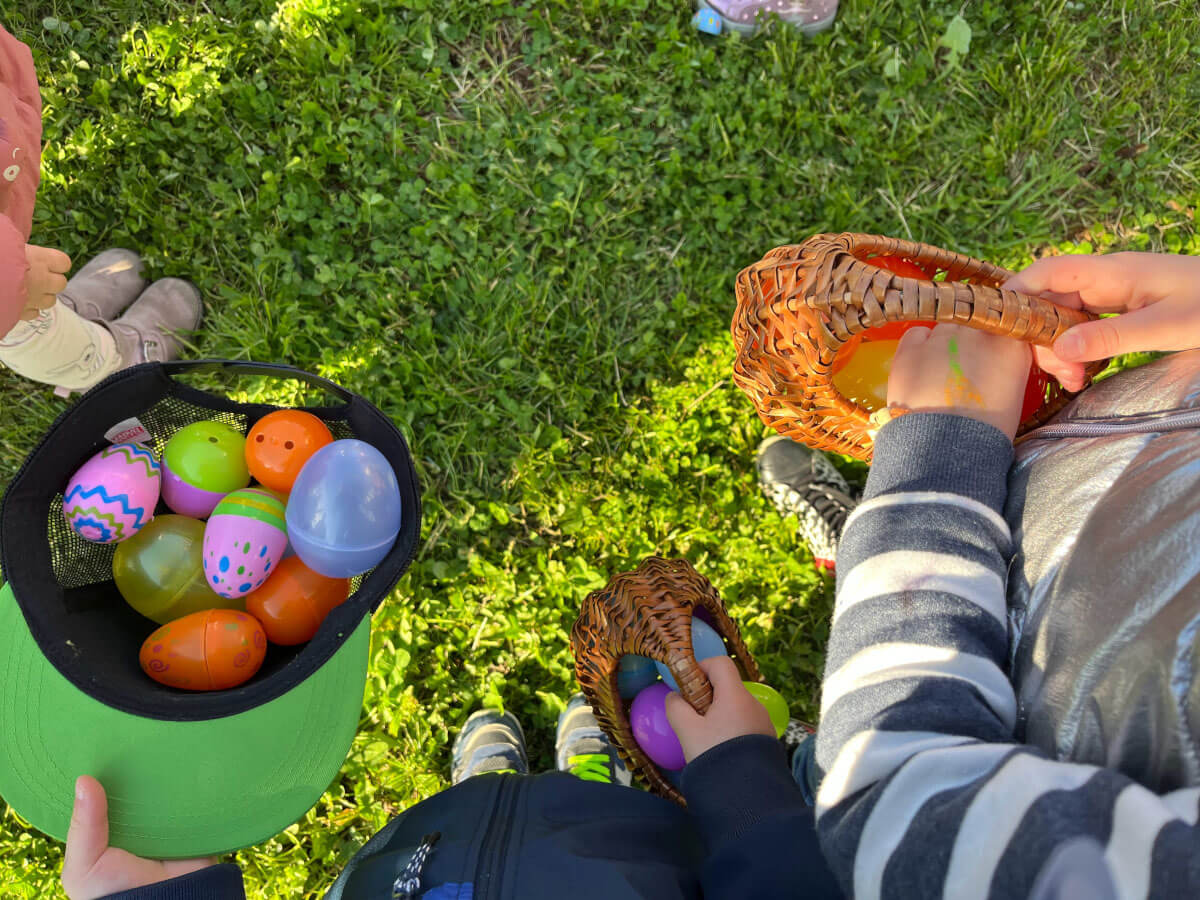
652 731
187 499
244 541
113 494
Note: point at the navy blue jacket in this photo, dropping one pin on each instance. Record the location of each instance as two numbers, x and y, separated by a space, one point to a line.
746 833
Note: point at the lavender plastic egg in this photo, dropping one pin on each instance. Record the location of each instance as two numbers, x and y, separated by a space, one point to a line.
244 541
113 494
652 731
343 513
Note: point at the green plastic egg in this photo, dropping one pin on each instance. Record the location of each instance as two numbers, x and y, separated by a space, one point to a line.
160 572
777 707
209 455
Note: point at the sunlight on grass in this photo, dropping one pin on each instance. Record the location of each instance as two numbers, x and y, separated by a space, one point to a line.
175 65
306 18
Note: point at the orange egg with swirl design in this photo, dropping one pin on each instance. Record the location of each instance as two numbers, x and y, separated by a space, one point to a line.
210 650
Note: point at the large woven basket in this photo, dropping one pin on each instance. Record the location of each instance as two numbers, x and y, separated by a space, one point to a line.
649 612
799 304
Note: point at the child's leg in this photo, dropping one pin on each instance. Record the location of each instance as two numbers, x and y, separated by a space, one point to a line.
61 348
75 352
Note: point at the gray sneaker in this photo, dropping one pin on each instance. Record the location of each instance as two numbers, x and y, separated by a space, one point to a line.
102 289
148 332
491 742
583 750
802 482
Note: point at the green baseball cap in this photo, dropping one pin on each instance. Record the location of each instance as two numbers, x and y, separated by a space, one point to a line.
187 773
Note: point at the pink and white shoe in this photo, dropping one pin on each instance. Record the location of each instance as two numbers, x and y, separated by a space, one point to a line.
747 16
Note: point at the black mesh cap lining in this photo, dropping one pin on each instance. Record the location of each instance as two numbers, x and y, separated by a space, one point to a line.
64 585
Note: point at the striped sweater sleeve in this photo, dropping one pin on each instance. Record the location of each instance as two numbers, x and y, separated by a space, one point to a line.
924 792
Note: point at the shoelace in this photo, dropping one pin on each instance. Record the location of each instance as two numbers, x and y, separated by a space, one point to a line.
830 503
591 767
408 884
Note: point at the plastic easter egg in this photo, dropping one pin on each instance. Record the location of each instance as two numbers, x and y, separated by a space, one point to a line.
652 730
770 698
209 650
705 643
279 445
243 541
159 570
294 601
113 494
203 462
866 382
634 674
864 378
343 514
1035 391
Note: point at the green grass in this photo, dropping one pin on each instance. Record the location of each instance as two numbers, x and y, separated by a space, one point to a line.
516 230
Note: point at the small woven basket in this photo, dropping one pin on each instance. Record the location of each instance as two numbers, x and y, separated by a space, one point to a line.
800 303
649 612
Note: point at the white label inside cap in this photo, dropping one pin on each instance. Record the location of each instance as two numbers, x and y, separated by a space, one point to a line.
129 430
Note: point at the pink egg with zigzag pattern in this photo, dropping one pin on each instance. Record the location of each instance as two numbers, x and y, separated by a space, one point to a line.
113 494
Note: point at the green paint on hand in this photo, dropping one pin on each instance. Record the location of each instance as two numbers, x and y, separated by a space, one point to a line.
957 369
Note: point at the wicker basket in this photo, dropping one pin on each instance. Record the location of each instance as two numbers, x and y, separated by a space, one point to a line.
799 304
649 612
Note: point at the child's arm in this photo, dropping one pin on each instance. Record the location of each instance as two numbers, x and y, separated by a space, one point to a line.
759 832
925 793
14 269
20 158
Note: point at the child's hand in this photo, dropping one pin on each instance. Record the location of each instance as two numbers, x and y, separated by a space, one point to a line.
959 370
1158 292
93 869
733 713
47 276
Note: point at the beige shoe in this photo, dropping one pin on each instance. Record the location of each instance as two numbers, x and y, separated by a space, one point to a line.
102 289
149 330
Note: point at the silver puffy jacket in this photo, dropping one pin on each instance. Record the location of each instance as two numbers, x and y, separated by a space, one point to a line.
1104 593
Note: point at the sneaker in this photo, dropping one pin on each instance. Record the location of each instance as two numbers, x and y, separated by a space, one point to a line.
800 739
583 749
102 289
747 16
802 482
491 743
149 330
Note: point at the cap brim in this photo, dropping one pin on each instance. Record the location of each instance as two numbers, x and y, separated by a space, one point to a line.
175 789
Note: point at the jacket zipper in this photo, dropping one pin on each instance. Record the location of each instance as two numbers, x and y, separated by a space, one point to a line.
496 839
1145 423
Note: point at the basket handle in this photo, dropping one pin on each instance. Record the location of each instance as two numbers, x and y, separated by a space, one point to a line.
273 370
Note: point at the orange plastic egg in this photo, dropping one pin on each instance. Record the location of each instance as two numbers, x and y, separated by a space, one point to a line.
294 601
279 445
209 650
